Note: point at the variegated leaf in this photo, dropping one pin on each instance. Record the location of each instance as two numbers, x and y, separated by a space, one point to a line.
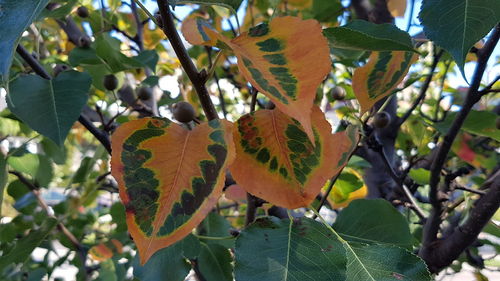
274 148
286 60
169 177
106 250
380 76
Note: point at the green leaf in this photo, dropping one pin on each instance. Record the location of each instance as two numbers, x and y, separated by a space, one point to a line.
420 175
456 25
108 49
166 264
107 271
25 246
60 12
39 167
54 152
326 10
367 36
15 16
482 123
230 4
149 58
280 250
215 263
191 247
215 225
360 222
377 262
50 107
3 178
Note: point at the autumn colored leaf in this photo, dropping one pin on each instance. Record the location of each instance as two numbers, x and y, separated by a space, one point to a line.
236 193
348 187
286 60
106 250
397 8
169 177
274 148
380 76
465 152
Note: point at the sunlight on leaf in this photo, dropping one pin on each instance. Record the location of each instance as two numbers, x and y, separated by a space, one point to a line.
104 251
169 177
273 147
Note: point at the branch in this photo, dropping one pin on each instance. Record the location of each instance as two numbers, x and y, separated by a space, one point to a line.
431 228
423 89
198 82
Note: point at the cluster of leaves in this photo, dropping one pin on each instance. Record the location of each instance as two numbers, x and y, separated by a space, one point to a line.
177 208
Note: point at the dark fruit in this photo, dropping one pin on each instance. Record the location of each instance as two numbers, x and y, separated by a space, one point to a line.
270 105
110 82
183 112
498 123
381 120
338 93
59 68
127 95
84 41
82 12
145 93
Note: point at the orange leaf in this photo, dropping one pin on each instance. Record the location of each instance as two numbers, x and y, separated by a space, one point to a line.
104 251
397 8
286 60
380 76
236 193
276 161
169 177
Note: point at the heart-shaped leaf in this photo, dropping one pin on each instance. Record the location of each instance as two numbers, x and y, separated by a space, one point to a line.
169 177
380 76
15 16
286 60
274 148
50 107
456 25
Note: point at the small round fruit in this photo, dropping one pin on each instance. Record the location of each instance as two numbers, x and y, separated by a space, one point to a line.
183 112
270 105
145 93
59 68
110 82
82 12
84 41
338 93
381 120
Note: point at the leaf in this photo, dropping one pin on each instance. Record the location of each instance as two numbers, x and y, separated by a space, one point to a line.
482 123
169 177
273 147
327 10
367 36
149 58
50 107
108 49
397 8
15 16
463 24
358 223
165 264
214 263
377 262
25 246
348 187
3 177
277 59
215 225
380 76
284 250
105 251
420 175
39 167
230 4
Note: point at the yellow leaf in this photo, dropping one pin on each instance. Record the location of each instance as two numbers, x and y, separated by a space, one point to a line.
276 161
397 8
104 251
380 76
169 177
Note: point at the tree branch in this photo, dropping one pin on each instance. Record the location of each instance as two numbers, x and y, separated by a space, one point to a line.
433 223
198 82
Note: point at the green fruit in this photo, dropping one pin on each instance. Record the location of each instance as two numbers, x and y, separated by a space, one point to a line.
381 120
183 112
82 12
110 82
84 41
59 68
145 93
338 93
